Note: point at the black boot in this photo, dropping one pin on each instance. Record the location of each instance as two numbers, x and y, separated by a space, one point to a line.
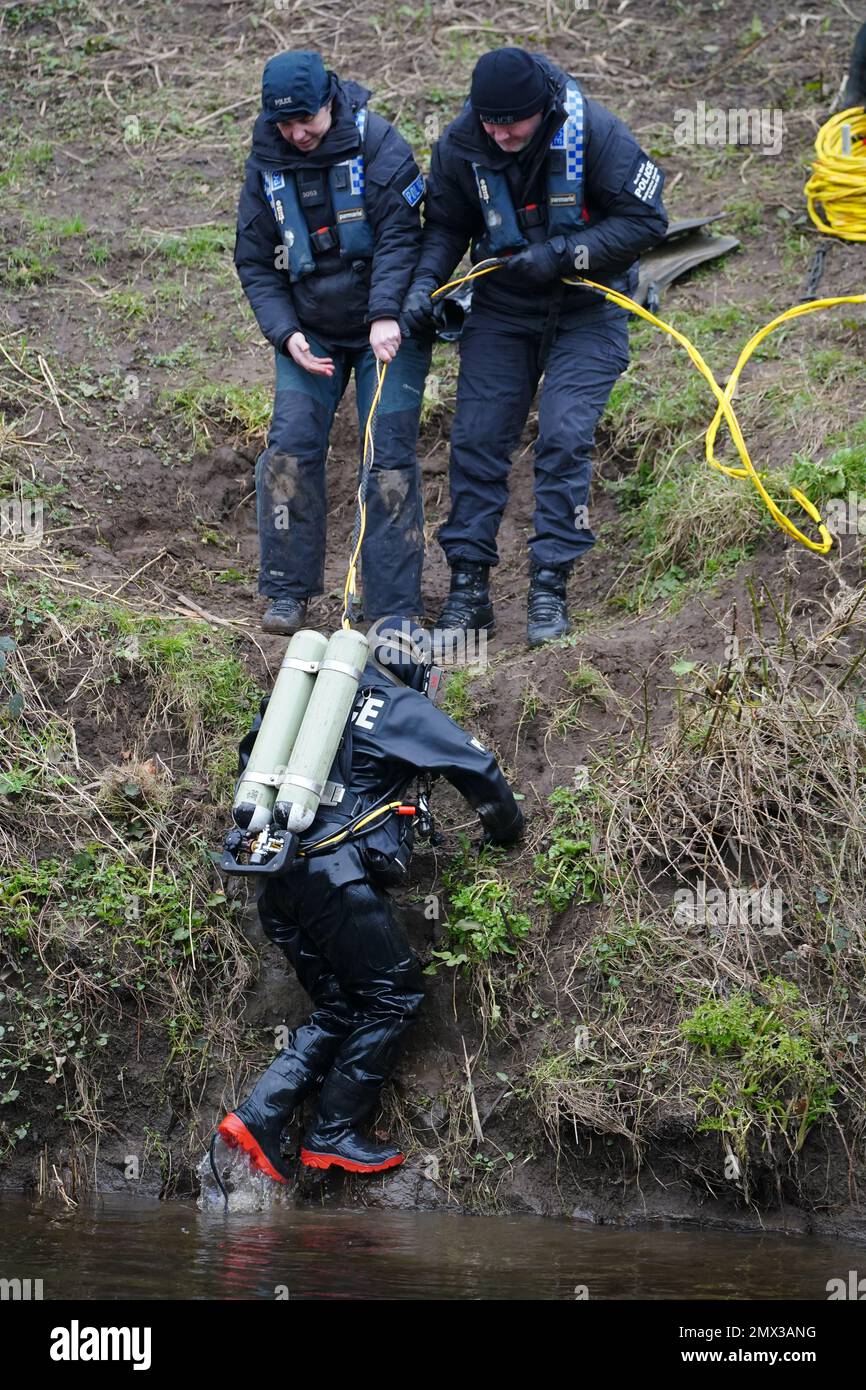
256 1125
334 1140
285 616
547 614
468 606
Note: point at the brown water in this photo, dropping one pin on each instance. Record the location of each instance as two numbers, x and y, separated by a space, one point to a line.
123 1248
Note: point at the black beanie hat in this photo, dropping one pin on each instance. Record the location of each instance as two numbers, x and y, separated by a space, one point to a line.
507 86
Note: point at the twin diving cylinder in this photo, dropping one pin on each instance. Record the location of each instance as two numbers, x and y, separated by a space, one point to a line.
278 793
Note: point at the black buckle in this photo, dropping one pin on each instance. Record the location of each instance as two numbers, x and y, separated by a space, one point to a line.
530 216
324 239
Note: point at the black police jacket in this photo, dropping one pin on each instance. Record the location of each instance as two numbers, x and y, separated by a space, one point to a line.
393 735
339 301
620 226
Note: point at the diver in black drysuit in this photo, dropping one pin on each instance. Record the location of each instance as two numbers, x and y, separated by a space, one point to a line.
331 915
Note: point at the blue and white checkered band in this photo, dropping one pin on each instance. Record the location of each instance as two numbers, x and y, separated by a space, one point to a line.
356 165
574 134
570 134
271 182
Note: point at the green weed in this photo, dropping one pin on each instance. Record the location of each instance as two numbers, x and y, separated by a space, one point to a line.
771 1074
569 869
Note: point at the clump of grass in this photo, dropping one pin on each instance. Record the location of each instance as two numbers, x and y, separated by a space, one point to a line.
769 1073
457 699
196 677
242 410
842 471
23 158
198 248
754 761
125 788
20 268
130 305
484 928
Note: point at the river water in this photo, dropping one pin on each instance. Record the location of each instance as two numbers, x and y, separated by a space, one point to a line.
123 1248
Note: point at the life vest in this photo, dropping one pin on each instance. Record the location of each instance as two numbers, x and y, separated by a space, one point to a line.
289 191
564 210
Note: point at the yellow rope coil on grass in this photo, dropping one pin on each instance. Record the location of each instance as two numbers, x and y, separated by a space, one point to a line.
836 191
725 409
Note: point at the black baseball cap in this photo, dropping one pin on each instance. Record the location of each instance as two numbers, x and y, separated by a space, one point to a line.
294 84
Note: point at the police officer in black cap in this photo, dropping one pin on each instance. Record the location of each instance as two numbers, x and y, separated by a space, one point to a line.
533 171
327 240
331 915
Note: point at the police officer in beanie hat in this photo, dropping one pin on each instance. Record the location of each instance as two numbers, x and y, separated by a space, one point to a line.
534 171
327 240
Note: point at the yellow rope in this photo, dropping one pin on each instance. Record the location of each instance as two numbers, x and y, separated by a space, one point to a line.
836 191
726 409
351 585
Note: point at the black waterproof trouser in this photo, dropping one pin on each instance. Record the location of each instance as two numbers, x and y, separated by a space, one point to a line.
339 932
500 370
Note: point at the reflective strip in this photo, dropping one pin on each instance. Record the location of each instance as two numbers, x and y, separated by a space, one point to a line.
296 664
573 134
356 165
343 666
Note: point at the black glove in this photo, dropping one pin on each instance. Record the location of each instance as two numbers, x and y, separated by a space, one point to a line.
503 825
418 315
541 263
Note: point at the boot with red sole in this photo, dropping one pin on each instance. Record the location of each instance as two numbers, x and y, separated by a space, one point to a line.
335 1140
257 1124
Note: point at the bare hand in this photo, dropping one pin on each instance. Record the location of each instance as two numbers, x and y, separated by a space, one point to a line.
385 339
299 351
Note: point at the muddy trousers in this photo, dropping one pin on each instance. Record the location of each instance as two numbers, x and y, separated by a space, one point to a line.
499 375
291 494
353 958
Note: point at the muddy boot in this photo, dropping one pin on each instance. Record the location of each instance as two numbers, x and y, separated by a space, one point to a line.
285 616
335 1141
256 1125
467 607
547 614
